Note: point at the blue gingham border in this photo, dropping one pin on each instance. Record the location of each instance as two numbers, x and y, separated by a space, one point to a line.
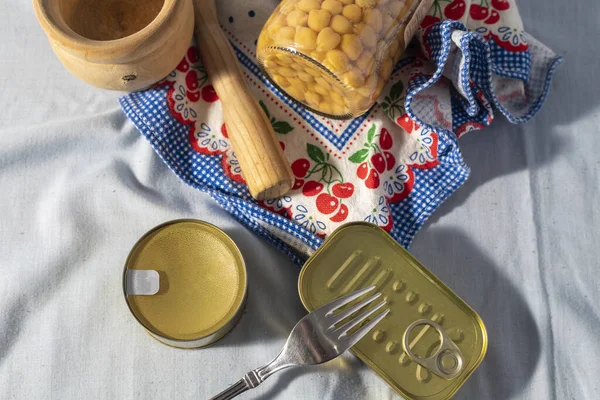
149 113
481 60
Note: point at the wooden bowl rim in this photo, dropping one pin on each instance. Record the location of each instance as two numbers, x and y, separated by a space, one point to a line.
120 50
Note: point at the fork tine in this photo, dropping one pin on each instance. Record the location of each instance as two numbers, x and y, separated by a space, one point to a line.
342 301
336 318
355 321
359 334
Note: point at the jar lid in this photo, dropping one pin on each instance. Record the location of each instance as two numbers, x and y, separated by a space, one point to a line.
185 282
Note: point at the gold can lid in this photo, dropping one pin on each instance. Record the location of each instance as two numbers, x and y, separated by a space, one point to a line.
185 282
429 343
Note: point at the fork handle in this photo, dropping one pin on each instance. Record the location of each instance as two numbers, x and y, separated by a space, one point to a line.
254 378
231 392
249 381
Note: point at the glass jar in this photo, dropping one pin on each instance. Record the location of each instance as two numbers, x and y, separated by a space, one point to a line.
335 56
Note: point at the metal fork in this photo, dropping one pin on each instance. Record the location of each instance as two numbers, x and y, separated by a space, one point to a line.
315 339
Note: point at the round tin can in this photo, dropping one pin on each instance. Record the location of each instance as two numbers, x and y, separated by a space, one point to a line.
185 282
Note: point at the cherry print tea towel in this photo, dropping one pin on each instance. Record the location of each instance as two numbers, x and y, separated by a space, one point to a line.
392 166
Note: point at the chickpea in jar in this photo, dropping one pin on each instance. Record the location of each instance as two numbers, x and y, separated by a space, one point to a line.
334 56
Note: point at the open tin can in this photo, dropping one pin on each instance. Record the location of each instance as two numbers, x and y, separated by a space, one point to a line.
429 343
185 282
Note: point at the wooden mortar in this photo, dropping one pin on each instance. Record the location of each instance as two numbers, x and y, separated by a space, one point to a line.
118 44
131 44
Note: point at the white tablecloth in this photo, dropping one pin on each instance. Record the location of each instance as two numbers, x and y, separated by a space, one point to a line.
79 185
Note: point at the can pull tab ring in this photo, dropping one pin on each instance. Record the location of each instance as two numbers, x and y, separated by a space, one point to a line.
142 282
447 362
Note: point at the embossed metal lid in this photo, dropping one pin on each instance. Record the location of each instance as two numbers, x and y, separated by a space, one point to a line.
185 282
431 341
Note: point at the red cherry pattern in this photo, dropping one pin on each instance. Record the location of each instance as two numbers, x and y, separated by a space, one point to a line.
327 203
455 10
329 188
369 175
208 94
501 5
406 123
363 170
312 188
372 181
390 160
493 18
300 167
191 80
183 66
378 162
194 78
193 55
192 96
373 158
485 10
298 183
385 139
341 215
479 12
343 190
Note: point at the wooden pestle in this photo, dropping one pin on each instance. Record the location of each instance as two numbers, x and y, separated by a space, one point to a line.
263 164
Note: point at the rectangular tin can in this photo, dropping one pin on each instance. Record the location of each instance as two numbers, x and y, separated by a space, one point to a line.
430 343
